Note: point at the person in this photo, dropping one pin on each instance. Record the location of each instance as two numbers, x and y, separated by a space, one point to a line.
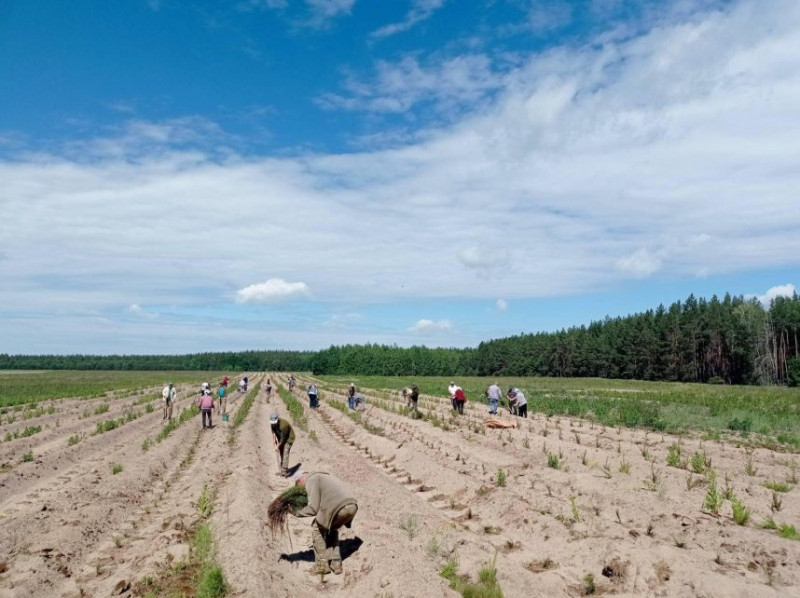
351 396
292 382
333 506
269 388
406 393
452 390
246 382
512 401
224 382
283 437
460 399
223 401
312 396
493 393
242 385
520 401
206 404
414 398
204 386
169 394
359 402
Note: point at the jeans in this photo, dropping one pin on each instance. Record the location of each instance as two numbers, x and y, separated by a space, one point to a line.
312 401
493 403
351 402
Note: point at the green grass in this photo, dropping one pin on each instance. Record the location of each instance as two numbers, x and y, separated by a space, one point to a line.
247 403
37 386
27 457
773 413
295 408
116 468
24 433
486 586
777 486
74 439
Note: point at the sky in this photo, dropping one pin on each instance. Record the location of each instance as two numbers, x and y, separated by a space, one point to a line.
184 176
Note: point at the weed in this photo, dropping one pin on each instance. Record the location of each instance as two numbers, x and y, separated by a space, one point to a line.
789 532
624 466
74 439
777 486
116 468
312 435
146 444
526 443
576 513
588 585
27 457
149 408
674 455
767 523
698 462
777 502
741 514
749 468
607 469
205 504
713 500
410 524
101 409
553 461
117 541
501 478
655 481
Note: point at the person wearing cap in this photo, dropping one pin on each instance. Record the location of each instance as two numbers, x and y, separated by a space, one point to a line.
169 394
206 404
520 403
283 437
333 506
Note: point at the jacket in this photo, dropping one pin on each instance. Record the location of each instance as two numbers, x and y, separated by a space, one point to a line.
283 432
326 495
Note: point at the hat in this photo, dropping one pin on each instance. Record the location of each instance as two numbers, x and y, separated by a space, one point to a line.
273 418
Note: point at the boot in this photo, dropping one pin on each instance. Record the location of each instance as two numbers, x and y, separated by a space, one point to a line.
320 567
336 566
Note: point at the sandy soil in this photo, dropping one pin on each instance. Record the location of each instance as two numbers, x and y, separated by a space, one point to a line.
69 527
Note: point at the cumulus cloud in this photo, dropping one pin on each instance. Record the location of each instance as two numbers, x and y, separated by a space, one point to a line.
274 289
426 326
502 305
784 290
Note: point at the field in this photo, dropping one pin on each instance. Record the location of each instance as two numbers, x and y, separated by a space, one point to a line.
609 487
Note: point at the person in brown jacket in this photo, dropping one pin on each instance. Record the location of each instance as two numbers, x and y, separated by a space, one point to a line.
332 506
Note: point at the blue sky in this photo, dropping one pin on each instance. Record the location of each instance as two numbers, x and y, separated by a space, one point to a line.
193 176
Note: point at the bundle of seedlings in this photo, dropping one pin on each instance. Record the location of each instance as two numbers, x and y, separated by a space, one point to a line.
291 500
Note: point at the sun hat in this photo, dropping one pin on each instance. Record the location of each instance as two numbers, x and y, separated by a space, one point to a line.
273 418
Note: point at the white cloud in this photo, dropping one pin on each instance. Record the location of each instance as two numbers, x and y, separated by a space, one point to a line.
274 289
502 305
137 310
641 263
134 308
449 83
427 326
421 10
784 290
324 11
574 169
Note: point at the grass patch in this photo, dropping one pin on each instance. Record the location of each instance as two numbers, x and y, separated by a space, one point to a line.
486 586
247 403
27 457
295 408
502 476
777 486
101 409
116 468
199 576
74 439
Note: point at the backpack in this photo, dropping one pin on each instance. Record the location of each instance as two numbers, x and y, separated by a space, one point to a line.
221 391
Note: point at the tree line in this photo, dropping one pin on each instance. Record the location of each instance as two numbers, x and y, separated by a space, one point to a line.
733 340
